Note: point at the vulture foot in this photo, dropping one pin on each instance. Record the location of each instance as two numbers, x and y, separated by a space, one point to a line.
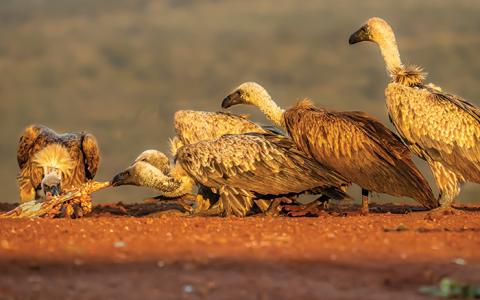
443 211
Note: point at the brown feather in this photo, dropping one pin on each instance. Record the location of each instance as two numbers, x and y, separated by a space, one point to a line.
255 165
91 153
195 126
360 148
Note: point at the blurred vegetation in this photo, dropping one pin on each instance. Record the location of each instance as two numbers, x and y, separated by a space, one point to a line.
121 68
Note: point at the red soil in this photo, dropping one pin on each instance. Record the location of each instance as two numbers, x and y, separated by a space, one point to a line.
107 256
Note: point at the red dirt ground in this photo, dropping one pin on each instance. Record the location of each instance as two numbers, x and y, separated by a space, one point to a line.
333 256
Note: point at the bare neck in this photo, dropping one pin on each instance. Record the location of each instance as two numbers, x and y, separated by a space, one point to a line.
271 110
169 185
389 49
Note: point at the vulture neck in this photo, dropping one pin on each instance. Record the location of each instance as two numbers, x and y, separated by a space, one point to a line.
174 185
389 49
271 110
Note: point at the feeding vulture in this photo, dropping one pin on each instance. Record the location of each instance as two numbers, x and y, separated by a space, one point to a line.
239 168
50 163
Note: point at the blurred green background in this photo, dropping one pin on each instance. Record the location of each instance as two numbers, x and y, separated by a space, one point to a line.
120 68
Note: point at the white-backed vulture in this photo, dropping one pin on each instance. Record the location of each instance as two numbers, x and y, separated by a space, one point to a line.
51 162
354 144
240 169
441 128
195 126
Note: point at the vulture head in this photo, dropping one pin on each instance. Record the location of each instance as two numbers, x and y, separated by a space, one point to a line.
147 167
56 164
247 93
374 30
51 184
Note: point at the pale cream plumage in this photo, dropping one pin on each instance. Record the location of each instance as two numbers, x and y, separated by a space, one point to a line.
441 128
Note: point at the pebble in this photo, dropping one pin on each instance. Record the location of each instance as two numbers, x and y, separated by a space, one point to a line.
188 288
459 261
119 244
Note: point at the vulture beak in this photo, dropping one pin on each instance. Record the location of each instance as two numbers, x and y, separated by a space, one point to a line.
53 190
122 178
232 99
359 36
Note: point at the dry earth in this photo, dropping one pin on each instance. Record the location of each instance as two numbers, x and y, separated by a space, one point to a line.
113 255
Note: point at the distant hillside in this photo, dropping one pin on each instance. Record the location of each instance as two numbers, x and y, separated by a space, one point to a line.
120 68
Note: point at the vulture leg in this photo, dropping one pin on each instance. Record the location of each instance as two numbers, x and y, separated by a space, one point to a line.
323 200
448 183
364 209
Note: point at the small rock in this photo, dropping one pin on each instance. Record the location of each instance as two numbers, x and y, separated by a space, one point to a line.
188 288
160 264
119 244
459 261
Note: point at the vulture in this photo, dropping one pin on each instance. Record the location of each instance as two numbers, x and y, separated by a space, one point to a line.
194 126
354 144
50 163
239 168
441 128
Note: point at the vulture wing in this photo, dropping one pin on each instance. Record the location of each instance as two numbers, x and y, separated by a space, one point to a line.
360 148
91 153
450 132
34 137
261 164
